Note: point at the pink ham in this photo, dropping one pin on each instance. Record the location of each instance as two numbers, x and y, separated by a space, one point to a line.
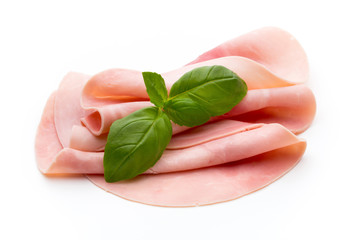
274 48
47 143
283 63
222 160
82 139
208 145
68 110
100 120
207 185
52 158
222 142
107 87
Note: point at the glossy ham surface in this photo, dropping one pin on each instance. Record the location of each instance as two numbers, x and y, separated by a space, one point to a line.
232 155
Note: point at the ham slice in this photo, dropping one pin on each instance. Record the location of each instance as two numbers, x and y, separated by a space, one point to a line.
232 155
68 110
107 88
293 106
52 157
222 142
265 58
208 145
207 185
47 143
274 48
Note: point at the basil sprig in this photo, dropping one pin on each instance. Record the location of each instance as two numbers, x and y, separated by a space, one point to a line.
155 87
136 142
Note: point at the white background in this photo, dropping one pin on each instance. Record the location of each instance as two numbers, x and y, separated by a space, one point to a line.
40 41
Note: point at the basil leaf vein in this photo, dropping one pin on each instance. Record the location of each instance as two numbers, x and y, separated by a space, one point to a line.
135 143
203 93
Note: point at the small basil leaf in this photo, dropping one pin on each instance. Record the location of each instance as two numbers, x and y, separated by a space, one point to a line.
155 87
202 93
135 143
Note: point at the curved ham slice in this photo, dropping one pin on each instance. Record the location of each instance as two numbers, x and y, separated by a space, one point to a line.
68 110
207 185
100 120
267 51
47 143
108 86
272 47
211 144
82 139
222 142
233 155
52 158
293 106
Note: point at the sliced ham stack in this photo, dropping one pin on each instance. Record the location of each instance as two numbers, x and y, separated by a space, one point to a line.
230 156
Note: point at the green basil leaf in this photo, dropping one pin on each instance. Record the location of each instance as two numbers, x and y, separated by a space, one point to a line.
202 93
155 87
135 143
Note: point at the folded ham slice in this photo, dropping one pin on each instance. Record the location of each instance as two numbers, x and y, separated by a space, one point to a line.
232 155
273 48
208 145
102 92
207 185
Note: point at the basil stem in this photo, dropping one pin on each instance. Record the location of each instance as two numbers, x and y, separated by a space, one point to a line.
155 87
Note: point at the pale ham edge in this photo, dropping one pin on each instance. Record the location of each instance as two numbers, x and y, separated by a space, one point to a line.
47 144
68 110
272 47
52 158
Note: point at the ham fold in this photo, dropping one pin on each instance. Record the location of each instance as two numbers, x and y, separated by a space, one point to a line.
230 156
